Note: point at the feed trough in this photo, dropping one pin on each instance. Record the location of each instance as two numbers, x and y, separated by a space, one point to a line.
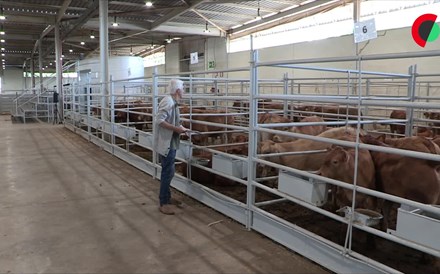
362 216
230 166
418 225
306 189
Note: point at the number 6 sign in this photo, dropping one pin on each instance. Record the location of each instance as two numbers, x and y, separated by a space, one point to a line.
364 31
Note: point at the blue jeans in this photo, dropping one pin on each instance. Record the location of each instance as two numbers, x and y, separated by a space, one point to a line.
166 176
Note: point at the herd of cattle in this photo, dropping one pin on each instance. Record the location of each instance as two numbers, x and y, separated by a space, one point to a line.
403 176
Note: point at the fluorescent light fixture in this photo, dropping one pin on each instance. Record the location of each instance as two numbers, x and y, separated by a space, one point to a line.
2 41
83 43
306 2
148 3
70 50
258 17
92 36
115 24
2 32
206 28
2 14
2 48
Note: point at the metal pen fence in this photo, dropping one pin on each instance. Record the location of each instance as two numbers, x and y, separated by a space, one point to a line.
241 103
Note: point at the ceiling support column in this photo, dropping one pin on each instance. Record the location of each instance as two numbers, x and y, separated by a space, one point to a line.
40 62
25 75
356 10
103 46
32 74
59 72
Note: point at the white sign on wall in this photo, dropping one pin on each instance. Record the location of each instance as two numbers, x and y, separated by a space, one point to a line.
194 58
365 30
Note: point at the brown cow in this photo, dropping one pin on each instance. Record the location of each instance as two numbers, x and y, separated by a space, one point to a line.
436 140
137 114
309 130
406 177
263 105
305 161
435 125
396 128
339 165
269 118
415 143
245 104
329 112
197 115
425 131
400 128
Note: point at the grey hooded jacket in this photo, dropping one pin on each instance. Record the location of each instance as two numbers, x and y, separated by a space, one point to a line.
167 111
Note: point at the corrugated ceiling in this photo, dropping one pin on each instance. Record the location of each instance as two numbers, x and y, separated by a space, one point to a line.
140 26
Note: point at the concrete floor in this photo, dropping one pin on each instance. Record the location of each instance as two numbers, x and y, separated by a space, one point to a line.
67 206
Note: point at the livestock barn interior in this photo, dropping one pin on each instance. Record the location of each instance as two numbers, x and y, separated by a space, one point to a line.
313 144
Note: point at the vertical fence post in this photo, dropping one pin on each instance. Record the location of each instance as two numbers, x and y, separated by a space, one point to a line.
252 149
411 94
155 103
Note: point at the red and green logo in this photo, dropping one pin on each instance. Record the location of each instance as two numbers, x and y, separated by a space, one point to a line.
424 29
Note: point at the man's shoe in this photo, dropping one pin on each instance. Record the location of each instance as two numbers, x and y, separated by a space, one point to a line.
166 209
176 202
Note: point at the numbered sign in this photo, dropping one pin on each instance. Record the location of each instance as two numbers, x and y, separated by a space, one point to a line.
194 58
365 30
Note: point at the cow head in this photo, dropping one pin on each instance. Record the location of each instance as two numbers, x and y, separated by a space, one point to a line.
335 162
240 138
266 147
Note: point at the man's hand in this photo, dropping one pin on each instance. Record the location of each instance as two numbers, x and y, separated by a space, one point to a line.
181 129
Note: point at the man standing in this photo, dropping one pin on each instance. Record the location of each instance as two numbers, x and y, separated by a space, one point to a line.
166 139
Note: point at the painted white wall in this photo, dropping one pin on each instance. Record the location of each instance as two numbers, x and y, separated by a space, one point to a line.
391 41
216 51
12 79
149 70
172 58
120 67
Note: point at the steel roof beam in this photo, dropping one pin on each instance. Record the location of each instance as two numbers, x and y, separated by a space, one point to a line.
49 28
62 10
90 12
23 37
42 20
309 8
26 5
156 24
226 1
176 12
209 21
